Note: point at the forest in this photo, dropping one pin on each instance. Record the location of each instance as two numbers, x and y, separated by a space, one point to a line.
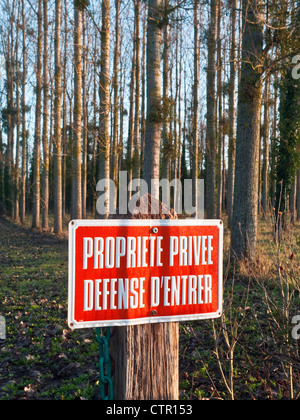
164 90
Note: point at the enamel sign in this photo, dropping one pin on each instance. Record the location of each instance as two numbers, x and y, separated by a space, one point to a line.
130 272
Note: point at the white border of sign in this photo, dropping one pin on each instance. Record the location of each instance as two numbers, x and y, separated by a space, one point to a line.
151 223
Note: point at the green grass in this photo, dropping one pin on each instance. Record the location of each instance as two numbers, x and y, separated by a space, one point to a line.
41 358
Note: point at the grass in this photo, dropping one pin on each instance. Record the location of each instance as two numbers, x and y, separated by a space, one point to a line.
248 354
41 358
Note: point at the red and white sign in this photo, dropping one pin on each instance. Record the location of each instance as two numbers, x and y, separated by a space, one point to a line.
129 272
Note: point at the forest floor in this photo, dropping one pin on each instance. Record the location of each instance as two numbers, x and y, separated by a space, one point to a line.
248 354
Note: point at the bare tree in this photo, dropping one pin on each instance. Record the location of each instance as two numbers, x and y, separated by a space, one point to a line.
195 173
136 148
244 223
57 124
211 112
37 134
298 195
23 108
85 118
166 134
18 125
104 139
265 167
115 155
232 112
45 136
76 155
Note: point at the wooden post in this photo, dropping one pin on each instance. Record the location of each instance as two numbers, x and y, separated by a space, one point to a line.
146 357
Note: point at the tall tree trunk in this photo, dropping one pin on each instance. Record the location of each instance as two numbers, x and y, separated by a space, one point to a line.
211 113
77 170
195 170
104 143
85 120
293 196
45 201
273 157
244 224
115 157
265 167
18 124
143 122
259 175
9 164
166 140
95 119
37 134
130 142
232 117
220 117
121 141
154 103
57 124
177 173
298 195
288 141
64 128
1 170
137 146
23 107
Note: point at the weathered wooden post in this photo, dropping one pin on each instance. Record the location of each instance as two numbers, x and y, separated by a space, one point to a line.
146 357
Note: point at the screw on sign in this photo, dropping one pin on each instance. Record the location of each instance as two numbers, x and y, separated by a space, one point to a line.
2 328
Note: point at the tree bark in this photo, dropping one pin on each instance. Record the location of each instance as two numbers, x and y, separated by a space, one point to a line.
130 142
136 144
77 168
104 143
244 225
1 172
293 200
154 99
146 362
58 207
195 160
143 116
232 117
45 201
265 167
37 134
18 131
10 75
211 113
298 195
166 141
64 126
23 108
220 118
85 120
115 155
